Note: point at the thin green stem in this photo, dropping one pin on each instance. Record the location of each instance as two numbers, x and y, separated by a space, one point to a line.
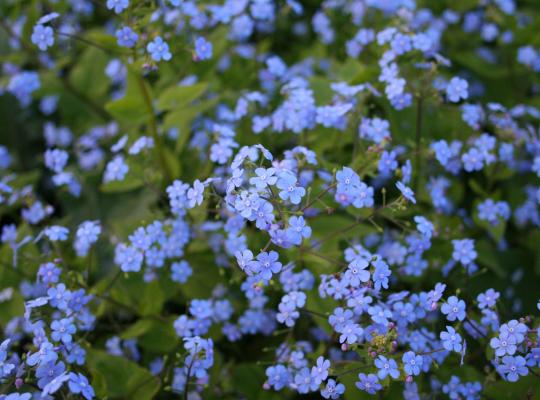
153 129
418 140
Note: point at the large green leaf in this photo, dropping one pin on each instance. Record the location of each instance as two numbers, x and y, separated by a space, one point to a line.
180 96
117 377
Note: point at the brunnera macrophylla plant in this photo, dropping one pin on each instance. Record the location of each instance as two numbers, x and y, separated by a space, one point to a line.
268 199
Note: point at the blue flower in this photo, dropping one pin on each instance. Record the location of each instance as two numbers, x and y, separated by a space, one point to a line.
43 36
159 50
387 162
56 233
379 314
128 258
203 49
515 329
62 330
45 354
368 383
298 230
386 367
381 274
319 372
115 170
5 367
504 345
451 339
117 5
49 273
86 235
487 299
339 318
126 37
454 309
351 333
278 376
289 190
406 192
412 363
512 368
304 382
464 251
263 178
332 390
457 89
195 194
79 384
46 372
59 296
472 160
356 272
268 264
180 271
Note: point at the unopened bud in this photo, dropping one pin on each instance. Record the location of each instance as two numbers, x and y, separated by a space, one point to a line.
266 386
409 379
344 347
18 383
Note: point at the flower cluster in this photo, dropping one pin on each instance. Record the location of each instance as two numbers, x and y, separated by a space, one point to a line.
244 196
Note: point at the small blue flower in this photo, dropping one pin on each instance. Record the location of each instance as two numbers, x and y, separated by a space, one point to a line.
115 170
180 271
278 376
195 194
368 383
454 309
464 251
62 330
298 230
319 372
504 344
159 50
332 390
457 89
386 367
451 339
78 383
43 37
117 5
512 368
412 363
126 37
203 49
351 333
406 192
289 189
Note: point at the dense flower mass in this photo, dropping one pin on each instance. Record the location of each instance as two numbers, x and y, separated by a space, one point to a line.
269 199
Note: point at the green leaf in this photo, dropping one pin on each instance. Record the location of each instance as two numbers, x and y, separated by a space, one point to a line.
153 335
117 377
137 329
88 76
180 96
125 185
130 109
487 255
